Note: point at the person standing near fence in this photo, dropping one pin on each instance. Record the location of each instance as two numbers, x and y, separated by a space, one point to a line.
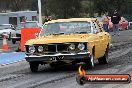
115 18
105 21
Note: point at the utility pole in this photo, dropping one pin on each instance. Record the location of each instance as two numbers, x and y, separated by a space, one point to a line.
40 14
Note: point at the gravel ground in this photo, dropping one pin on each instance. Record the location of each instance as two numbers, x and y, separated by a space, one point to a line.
18 75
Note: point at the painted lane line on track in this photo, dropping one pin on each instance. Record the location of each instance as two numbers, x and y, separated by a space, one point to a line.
12 62
7 52
9 58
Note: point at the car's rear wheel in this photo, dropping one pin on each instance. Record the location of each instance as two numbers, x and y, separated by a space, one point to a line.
104 59
34 66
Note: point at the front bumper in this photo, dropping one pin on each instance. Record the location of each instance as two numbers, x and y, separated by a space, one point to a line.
60 57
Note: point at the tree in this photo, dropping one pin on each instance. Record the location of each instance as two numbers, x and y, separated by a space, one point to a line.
18 5
102 6
70 8
87 8
63 8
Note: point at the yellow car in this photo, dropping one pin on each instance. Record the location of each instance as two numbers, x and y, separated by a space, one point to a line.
72 40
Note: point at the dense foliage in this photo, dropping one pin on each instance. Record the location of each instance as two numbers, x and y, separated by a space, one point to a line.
71 8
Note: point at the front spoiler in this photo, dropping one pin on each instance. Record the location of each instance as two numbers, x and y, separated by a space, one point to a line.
59 57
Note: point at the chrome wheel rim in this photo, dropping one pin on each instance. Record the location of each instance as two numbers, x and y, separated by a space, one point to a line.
92 60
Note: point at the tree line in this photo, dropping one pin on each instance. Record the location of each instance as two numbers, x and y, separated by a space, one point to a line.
71 8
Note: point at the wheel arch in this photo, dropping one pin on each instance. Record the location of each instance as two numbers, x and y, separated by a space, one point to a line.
93 50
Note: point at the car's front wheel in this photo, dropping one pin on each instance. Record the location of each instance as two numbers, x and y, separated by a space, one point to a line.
53 65
34 66
104 59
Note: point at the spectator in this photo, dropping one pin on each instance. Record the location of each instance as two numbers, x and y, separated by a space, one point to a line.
49 18
115 18
105 21
45 19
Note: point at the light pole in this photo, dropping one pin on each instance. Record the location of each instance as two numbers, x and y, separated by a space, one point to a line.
40 14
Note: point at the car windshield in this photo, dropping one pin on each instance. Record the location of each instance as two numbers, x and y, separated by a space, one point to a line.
5 27
66 28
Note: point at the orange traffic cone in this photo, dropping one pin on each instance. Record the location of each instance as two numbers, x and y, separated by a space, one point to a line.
5 46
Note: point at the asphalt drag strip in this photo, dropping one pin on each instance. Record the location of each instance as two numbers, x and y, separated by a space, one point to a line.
119 68
65 76
18 75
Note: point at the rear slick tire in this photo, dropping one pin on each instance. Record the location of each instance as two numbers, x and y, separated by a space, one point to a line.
104 59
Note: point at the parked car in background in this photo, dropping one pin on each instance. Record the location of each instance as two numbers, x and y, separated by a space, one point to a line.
66 41
7 30
130 25
27 24
123 24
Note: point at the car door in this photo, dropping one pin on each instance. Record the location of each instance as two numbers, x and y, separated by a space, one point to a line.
103 37
98 39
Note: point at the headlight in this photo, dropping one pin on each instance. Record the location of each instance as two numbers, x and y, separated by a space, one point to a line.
40 48
31 49
72 47
81 46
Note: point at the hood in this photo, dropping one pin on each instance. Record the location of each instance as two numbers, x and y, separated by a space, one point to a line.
59 39
5 30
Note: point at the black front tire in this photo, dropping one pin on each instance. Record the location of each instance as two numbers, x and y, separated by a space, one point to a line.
53 65
104 59
34 66
56 64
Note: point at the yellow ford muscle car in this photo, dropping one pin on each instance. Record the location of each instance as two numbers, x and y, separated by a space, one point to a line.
72 40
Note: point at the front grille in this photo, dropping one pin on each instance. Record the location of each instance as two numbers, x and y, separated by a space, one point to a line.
55 48
63 47
50 48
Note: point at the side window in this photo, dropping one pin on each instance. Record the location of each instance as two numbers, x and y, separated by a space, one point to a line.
96 28
34 18
22 19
